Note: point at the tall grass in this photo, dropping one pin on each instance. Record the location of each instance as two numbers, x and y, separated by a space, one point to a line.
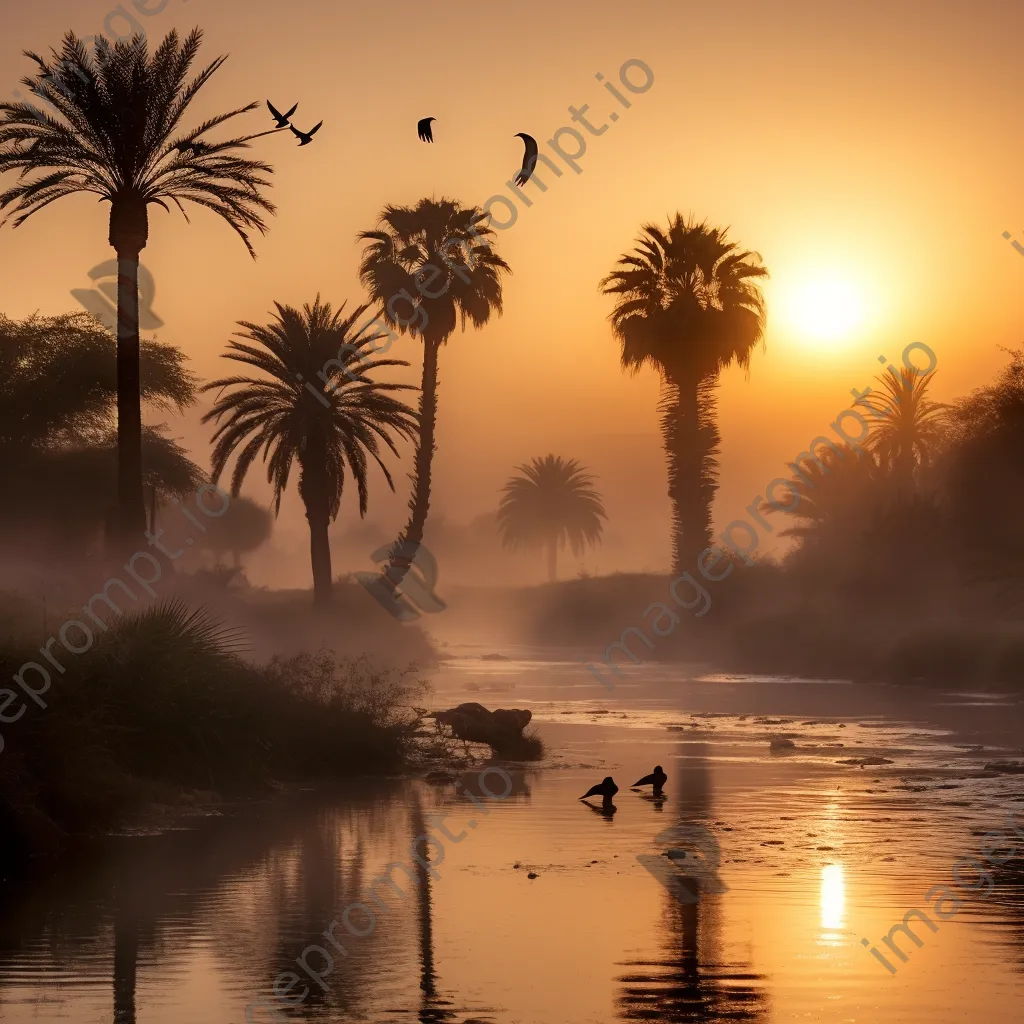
164 699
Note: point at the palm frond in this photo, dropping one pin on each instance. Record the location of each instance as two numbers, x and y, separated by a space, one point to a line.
112 129
335 429
551 500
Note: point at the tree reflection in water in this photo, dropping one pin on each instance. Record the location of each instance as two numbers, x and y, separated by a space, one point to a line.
691 982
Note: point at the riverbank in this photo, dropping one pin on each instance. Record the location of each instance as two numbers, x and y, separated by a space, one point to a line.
163 705
756 622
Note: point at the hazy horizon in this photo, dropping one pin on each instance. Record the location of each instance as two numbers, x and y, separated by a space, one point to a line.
821 159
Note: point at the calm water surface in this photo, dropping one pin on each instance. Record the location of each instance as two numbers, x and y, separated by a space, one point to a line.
194 924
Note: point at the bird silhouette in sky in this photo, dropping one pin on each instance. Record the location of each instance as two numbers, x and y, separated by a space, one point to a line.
606 789
423 129
657 779
283 120
305 138
529 157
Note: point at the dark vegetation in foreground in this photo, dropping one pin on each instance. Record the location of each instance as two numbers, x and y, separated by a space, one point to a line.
164 701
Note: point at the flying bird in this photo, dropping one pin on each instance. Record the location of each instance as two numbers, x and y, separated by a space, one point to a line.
657 779
606 789
281 119
423 129
305 138
529 157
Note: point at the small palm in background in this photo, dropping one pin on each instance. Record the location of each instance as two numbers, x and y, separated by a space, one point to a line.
549 506
286 416
911 427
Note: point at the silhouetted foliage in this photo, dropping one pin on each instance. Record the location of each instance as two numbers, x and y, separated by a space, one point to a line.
165 696
243 528
114 130
982 474
58 437
907 427
336 425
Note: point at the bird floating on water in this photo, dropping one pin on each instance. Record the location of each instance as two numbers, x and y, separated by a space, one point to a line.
529 157
423 129
305 138
606 789
283 120
657 779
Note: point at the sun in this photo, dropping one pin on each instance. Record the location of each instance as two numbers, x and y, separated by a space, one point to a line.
827 307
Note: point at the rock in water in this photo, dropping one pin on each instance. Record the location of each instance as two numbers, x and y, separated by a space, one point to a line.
500 729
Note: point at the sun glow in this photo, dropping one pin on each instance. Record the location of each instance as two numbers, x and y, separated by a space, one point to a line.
824 308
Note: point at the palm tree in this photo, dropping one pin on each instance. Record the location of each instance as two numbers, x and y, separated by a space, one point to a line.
434 259
118 136
549 506
323 428
911 426
688 305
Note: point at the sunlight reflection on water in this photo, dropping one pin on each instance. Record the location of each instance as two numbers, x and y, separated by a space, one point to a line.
833 897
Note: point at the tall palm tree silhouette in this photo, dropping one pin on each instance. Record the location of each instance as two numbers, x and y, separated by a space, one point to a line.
118 135
324 427
435 260
911 426
551 505
687 304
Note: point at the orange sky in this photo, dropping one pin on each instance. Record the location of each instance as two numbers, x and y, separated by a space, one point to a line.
878 141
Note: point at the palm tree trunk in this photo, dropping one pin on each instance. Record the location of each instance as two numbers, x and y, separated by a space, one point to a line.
404 551
553 560
313 491
131 505
904 472
691 443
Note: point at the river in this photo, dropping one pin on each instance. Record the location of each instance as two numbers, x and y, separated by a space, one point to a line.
199 920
